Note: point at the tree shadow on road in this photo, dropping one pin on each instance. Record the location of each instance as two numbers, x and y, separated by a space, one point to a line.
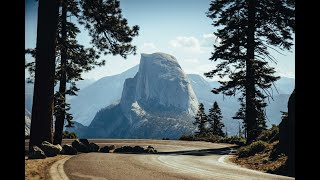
203 152
196 152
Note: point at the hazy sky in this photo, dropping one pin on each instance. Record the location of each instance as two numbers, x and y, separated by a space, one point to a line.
176 27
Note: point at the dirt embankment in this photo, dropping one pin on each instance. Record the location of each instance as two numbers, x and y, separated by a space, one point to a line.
39 168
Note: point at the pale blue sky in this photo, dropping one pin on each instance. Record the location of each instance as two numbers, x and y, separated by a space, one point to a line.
176 27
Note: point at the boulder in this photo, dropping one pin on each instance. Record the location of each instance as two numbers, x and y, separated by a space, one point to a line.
150 150
130 149
49 149
80 146
104 149
124 149
69 150
120 149
138 149
127 149
85 142
59 147
62 151
112 148
36 153
93 147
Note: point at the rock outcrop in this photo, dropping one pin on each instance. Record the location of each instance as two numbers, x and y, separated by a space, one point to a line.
36 153
69 150
158 102
49 149
79 146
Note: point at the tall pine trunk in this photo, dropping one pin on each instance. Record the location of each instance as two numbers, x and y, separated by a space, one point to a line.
60 117
42 108
250 87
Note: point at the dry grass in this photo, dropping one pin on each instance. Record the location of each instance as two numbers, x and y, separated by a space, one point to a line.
262 161
39 168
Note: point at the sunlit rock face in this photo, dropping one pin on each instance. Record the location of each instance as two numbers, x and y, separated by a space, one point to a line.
159 86
158 102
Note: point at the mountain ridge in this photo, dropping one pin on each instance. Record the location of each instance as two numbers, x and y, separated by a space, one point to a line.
157 102
108 90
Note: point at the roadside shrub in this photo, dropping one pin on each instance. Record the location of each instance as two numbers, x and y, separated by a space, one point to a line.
283 169
208 137
69 135
73 135
214 139
243 152
258 146
187 137
252 149
233 140
270 135
275 152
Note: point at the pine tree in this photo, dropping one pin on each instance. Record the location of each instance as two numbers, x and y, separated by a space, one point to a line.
249 29
261 116
42 107
201 121
75 59
110 32
215 120
240 130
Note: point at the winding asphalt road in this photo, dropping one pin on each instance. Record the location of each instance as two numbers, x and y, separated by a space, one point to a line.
175 160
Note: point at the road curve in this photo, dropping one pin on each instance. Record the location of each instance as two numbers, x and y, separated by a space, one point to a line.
175 160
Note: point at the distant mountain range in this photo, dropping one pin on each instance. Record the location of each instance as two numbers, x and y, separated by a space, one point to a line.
29 91
97 95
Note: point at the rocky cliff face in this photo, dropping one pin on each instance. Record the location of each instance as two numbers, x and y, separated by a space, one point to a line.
158 102
159 86
98 95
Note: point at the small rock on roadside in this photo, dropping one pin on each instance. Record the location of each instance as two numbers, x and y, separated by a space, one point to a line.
67 149
104 149
49 149
59 147
138 149
112 148
150 150
93 147
36 153
80 146
85 142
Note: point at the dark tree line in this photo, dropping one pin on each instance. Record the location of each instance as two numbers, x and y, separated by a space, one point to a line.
68 59
248 30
